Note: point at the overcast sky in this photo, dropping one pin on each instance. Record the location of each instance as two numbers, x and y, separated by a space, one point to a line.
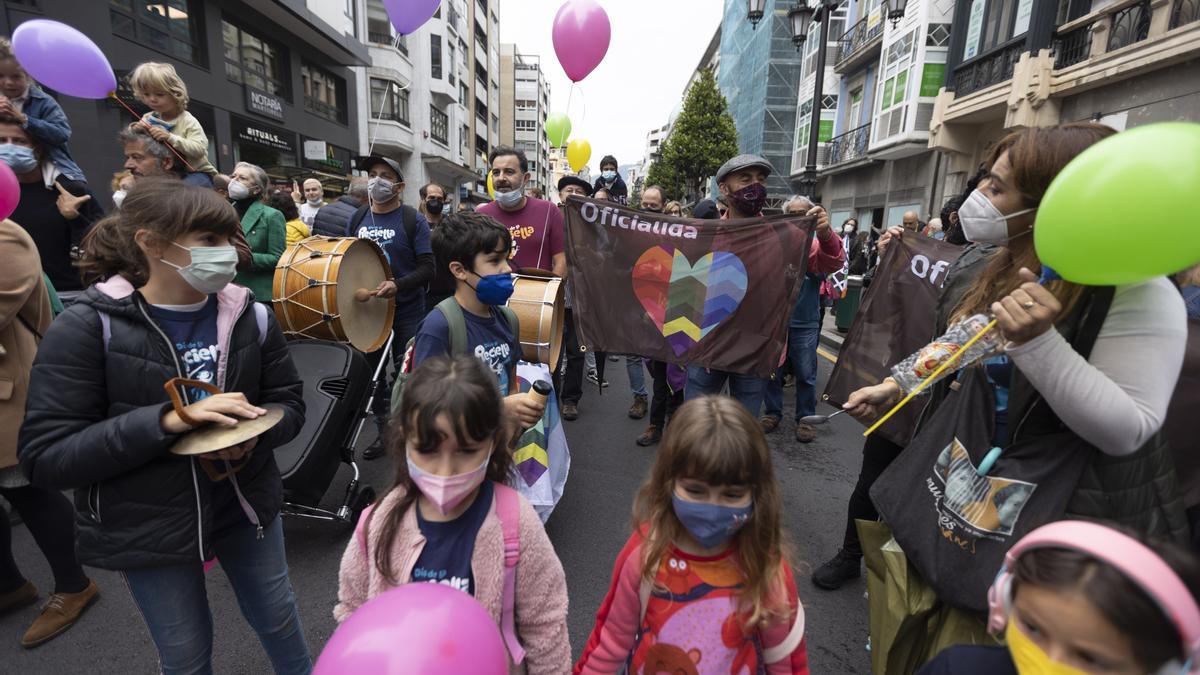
655 47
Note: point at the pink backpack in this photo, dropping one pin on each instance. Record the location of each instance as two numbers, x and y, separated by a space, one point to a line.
508 510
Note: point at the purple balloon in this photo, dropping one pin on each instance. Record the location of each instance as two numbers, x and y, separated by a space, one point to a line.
63 59
409 15
581 36
416 629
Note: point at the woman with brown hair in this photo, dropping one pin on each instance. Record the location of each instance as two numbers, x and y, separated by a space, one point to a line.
1061 421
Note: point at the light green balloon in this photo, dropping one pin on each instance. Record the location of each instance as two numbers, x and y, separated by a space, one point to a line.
558 129
1125 210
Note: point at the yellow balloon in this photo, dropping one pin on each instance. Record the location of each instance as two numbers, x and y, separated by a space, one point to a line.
490 187
579 151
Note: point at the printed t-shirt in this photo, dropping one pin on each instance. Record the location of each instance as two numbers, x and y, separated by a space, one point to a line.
387 230
446 558
490 340
308 212
193 332
536 229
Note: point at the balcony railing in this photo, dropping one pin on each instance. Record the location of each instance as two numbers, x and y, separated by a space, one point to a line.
1185 11
849 146
1129 25
1073 47
992 68
856 37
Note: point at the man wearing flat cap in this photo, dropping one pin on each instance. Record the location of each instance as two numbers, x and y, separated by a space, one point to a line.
571 385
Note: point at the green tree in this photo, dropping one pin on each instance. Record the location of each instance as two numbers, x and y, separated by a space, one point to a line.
664 174
703 138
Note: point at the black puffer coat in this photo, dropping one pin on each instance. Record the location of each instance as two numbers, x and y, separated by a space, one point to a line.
92 424
333 218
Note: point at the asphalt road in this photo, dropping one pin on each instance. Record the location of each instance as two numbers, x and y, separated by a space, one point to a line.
588 528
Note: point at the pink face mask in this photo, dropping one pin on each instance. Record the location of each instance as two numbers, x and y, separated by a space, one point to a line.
447 492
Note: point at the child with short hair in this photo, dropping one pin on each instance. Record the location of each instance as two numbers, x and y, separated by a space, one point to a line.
449 518
38 113
160 88
1080 597
704 583
475 249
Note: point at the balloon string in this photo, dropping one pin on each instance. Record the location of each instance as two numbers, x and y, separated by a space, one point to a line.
147 125
570 95
583 102
379 116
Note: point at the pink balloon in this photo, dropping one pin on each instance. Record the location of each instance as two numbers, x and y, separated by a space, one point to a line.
416 629
10 191
581 36
408 15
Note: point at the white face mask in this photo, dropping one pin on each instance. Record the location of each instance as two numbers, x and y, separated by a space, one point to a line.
982 222
847 229
238 190
380 189
316 201
118 197
511 198
211 267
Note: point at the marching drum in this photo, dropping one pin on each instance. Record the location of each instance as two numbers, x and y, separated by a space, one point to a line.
324 289
537 300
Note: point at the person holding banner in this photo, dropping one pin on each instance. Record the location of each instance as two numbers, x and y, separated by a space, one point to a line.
1062 423
826 255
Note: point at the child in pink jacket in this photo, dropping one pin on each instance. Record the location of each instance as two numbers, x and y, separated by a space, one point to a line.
448 516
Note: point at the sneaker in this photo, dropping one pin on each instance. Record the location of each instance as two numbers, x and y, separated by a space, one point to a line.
570 412
769 423
789 381
639 408
595 379
22 596
61 612
836 572
650 436
805 433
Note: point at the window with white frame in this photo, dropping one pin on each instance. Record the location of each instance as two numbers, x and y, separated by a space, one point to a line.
895 86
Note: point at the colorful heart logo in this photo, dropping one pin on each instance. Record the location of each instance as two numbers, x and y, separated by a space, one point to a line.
686 300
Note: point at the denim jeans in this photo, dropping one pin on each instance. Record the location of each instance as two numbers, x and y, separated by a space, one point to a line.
802 355
174 603
637 375
747 389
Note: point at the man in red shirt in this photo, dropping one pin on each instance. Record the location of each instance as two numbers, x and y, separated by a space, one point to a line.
536 225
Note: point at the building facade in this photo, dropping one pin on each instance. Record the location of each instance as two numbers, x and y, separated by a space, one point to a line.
881 82
524 106
759 76
271 81
1018 63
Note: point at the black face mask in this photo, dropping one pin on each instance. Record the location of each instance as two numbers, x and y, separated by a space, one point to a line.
650 210
434 205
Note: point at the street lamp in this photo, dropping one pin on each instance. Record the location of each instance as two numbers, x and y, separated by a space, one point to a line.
755 13
800 16
895 10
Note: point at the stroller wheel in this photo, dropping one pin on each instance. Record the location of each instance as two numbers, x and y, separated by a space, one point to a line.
362 499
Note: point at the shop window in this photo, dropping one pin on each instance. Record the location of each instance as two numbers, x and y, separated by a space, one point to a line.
389 101
324 93
439 125
173 27
254 61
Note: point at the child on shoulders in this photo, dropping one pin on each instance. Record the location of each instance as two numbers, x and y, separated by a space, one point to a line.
160 88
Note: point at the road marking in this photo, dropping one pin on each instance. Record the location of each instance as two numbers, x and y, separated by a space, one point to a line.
832 358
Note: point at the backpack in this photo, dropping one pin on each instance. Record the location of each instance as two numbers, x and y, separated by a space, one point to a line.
508 510
457 325
410 222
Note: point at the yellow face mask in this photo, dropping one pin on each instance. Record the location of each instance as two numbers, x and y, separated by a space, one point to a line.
1029 658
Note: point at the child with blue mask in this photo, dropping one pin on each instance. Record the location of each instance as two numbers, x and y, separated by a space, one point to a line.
707 570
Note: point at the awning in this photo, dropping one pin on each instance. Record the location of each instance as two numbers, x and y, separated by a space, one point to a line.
331 182
442 166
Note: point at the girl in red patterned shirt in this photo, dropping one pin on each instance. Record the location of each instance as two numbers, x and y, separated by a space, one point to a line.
704 584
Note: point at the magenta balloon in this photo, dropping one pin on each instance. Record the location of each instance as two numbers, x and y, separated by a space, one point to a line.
581 36
409 15
63 59
416 629
10 191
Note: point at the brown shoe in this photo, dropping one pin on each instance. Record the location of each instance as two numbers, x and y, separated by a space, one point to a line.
805 433
650 436
769 423
570 412
23 596
61 612
638 410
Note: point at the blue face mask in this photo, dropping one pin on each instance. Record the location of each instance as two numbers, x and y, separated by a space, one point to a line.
494 289
709 524
18 158
609 175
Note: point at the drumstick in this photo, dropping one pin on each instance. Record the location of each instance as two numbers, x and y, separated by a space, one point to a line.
364 294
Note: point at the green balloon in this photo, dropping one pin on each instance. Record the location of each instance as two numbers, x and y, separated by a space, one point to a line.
558 129
1094 222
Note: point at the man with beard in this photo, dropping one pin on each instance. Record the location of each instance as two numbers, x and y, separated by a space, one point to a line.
536 225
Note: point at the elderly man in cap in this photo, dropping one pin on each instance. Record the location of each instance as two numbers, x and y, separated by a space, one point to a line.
569 384
403 234
742 182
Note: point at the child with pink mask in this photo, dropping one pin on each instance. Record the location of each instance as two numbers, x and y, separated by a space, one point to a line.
450 519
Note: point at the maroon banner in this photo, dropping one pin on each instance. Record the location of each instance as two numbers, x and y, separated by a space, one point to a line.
712 293
895 319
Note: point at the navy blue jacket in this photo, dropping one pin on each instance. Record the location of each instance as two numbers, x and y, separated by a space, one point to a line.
49 126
